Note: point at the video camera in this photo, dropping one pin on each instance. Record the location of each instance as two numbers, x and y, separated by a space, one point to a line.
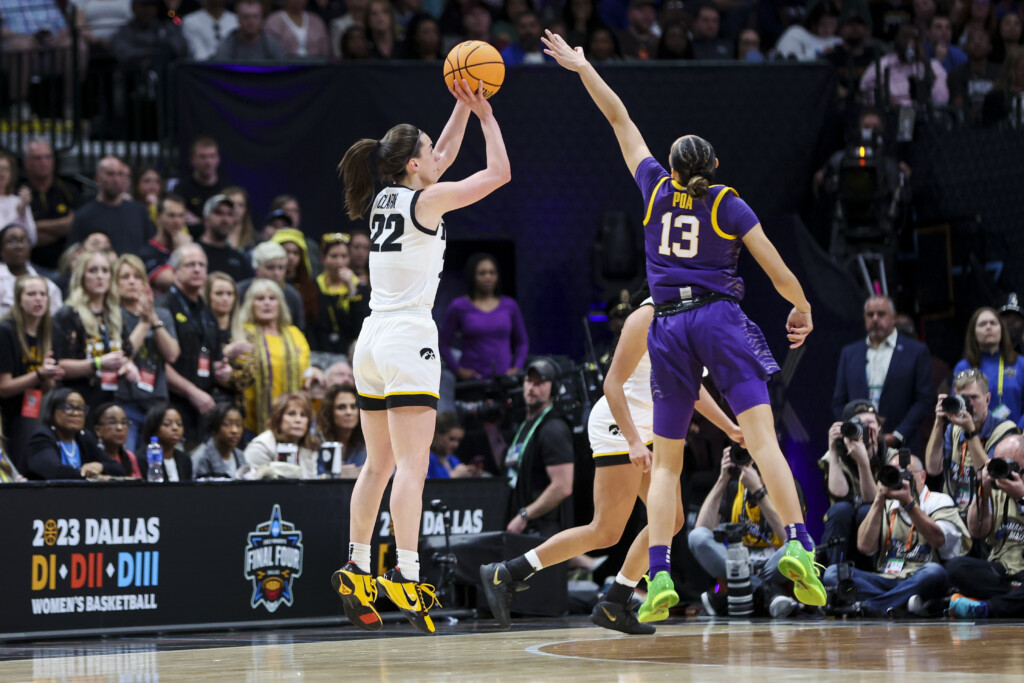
893 477
954 403
494 398
998 468
731 532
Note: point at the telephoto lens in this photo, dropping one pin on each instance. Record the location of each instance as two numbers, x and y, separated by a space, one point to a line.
890 477
852 429
740 456
953 404
999 468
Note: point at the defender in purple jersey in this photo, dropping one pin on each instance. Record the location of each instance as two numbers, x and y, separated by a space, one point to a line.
693 235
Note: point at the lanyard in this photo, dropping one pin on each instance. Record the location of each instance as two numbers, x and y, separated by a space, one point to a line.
892 522
187 312
999 384
529 434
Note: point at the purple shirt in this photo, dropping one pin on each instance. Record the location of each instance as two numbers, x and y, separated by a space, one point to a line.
690 242
491 342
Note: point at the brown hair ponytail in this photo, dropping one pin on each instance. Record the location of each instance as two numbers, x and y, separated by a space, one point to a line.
393 152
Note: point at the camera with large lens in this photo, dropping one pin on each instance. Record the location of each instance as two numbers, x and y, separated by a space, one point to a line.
954 403
740 457
999 468
892 477
854 429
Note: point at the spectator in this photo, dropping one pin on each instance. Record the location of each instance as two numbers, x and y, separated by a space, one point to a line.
32 28
443 463
740 497
988 347
639 40
891 370
493 336
981 15
14 200
14 251
300 33
98 21
299 272
382 29
149 187
355 16
199 366
581 18
53 203
540 461
958 13
1007 37
124 221
603 46
910 78
270 261
288 439
359 258
887 18
993 583
219 223
849 467
88 337
242 236
205 28
355 44
59 448
338 422
674 43
1006 101
152 338
170 234
527 48
27 367
422 39
339 373
111 426
924 12
343 304
222 296
815 38
249 42
280 355
912 529
288 204
145 42
940 44
219 456
748 46
1011 316
205 180
706 43
972 434
969 83
164 422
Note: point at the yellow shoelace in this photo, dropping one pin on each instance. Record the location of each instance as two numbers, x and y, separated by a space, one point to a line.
425 589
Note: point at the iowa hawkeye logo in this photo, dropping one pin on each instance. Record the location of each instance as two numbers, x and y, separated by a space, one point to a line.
273 559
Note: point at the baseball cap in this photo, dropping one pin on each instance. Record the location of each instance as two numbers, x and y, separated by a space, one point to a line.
1012 305
215 201
545 368
856 407
278 214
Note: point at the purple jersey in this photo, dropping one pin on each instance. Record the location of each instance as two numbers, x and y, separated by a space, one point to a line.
691 243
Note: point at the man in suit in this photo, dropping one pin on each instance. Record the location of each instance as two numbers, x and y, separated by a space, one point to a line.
892 370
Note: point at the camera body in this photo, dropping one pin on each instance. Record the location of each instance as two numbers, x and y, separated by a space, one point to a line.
998 468
740 457
893 477
854 429
954 403
730 532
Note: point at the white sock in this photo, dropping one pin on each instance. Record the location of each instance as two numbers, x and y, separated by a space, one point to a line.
360 554
409 563
621 578
534 561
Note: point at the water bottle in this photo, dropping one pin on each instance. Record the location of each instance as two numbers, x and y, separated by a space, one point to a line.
737 573
155 459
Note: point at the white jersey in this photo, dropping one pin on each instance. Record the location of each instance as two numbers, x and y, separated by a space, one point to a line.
406 258
604 433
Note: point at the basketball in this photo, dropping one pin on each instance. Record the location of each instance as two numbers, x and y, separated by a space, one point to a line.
475 61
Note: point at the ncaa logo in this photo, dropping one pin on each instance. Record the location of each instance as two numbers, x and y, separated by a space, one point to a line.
273 560
427 353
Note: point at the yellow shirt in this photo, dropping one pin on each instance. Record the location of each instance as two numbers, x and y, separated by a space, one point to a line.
282 375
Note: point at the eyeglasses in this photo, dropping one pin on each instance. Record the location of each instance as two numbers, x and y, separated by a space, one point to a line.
16 241
334 238
967 374
116 423
73 409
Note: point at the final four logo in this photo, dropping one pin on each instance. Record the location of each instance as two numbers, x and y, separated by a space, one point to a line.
273 559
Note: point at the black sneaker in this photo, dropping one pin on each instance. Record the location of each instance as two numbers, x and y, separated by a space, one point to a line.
498 587
358 591
414 599
618 617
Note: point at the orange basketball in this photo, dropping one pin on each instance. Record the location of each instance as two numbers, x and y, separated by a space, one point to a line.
475 61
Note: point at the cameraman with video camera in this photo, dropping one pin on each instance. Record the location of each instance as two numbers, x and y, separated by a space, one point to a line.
739 496
964 437
912 529
854 455
997 515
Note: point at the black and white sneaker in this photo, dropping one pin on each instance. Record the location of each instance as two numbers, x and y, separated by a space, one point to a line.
498 587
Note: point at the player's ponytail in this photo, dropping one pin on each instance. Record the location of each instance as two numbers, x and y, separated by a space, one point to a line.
693 158
697 186
392 152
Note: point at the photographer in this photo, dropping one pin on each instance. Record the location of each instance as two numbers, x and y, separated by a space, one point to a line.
911 529
740 497
997 515
854 454
972 434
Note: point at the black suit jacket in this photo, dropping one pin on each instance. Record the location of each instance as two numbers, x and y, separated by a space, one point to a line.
181 459
43 460
907 393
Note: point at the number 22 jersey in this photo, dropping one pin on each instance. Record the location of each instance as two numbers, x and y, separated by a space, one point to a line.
691 243
406 258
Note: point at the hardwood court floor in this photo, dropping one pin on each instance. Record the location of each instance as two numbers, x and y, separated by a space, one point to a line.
690 650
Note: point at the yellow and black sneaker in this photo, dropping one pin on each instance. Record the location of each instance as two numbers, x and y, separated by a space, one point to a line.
414 599
358 592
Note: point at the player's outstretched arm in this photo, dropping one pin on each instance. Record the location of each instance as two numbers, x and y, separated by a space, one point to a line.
634 150
799 324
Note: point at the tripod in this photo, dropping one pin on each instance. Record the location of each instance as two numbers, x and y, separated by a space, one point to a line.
445 559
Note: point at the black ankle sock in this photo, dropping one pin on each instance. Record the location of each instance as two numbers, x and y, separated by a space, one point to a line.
618 593
520 568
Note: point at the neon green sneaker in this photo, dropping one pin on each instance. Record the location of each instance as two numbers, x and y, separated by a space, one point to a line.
661 595
798 566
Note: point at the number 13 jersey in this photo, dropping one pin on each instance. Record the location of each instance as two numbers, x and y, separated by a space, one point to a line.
406 258
691 243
